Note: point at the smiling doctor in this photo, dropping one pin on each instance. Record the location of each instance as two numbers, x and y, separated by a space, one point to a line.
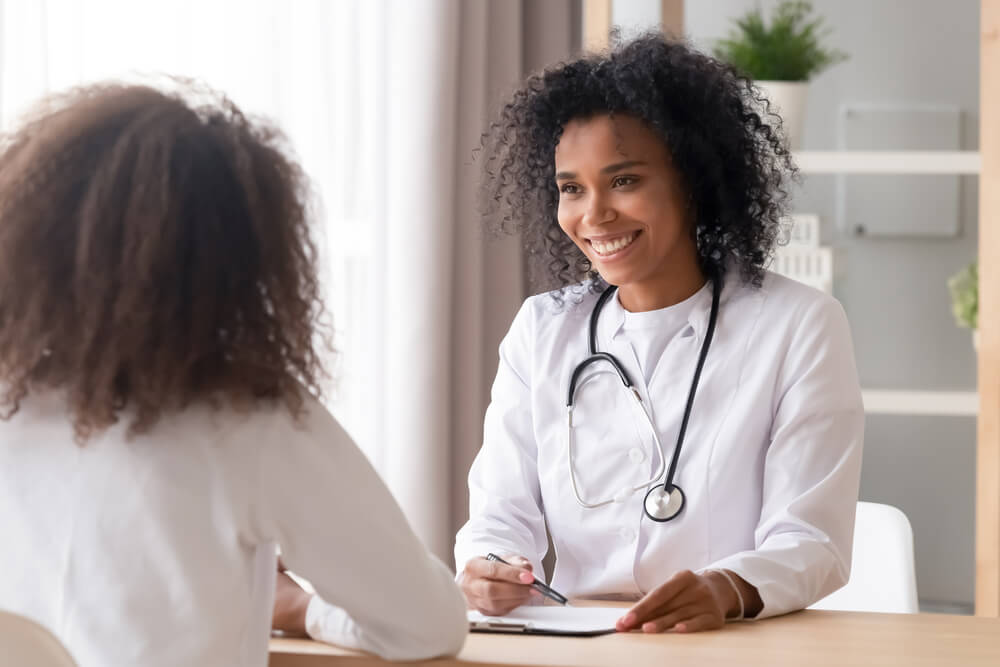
687 425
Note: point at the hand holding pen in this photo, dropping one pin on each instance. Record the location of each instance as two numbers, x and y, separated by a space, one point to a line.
496 586
550 593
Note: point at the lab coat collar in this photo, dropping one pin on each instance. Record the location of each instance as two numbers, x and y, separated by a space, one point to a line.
702 311
612 319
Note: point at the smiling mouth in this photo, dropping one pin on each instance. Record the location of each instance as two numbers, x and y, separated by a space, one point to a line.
613 246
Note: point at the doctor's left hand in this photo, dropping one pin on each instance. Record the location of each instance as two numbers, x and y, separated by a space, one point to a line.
687 602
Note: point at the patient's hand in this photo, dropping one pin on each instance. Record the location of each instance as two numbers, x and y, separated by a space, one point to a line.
290 604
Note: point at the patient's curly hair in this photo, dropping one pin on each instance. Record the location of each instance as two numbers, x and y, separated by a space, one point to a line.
153 253
725 144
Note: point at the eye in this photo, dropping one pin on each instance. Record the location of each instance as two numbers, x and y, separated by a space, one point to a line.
569 189
624 180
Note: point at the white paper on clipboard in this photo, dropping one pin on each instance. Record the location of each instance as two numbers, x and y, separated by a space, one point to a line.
550 620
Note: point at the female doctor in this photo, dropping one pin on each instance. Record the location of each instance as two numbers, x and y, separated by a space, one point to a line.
687 425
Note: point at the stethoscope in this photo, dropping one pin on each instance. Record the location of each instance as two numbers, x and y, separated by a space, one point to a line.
663 501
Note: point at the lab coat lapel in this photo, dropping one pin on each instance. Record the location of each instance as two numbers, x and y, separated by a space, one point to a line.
616 342
610 339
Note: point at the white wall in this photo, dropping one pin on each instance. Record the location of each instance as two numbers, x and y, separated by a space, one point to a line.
635 15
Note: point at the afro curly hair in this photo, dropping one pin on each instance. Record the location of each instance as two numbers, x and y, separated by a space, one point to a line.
155 252
722 138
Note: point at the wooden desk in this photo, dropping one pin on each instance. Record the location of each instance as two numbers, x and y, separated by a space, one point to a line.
804 639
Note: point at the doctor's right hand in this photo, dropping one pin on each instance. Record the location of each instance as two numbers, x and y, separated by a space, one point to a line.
495 588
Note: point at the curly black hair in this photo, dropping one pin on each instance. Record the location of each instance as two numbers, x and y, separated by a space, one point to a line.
723 140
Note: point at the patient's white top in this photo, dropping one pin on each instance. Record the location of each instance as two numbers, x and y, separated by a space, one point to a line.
160 549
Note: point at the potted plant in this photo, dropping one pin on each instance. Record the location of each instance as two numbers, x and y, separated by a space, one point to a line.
781 57
964 288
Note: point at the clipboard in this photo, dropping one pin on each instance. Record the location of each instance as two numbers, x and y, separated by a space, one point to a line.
550 620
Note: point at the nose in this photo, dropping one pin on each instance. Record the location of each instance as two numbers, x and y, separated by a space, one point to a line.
599 211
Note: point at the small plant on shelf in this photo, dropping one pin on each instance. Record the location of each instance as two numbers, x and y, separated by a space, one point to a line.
964 289
781 57
787 49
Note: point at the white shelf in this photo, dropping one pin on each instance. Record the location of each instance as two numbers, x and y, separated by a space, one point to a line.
888 162
940 403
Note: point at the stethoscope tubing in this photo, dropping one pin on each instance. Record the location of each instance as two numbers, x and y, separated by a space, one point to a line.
707 343
596 357
569 457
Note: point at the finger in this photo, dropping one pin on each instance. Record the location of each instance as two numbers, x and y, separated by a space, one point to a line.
699 623
692 595
498 607
493 607
480 568
668 621
695 591
520 561
498 590
650 606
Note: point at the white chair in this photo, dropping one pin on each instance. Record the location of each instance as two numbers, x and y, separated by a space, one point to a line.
24 642
883 577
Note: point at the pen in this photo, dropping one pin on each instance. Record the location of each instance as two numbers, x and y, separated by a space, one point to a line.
550 593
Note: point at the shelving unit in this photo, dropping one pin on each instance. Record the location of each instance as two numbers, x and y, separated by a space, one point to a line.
926 403
891 401
888 162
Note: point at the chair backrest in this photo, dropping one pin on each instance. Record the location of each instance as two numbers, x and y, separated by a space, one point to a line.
24 642
883 577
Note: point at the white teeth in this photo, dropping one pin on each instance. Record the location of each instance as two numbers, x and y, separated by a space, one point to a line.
611 247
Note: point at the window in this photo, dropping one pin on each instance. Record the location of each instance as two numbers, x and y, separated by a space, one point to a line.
313 67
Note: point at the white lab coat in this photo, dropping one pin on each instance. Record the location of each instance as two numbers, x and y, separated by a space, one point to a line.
770 463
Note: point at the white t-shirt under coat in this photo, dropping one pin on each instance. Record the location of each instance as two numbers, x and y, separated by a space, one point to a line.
649 332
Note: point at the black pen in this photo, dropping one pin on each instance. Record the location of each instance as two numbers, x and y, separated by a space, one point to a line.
550 593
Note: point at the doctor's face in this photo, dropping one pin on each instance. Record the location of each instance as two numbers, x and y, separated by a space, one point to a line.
623 203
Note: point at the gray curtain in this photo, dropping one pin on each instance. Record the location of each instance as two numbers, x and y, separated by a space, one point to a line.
450 295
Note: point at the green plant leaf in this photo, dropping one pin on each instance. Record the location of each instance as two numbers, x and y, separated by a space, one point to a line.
787 49
964 289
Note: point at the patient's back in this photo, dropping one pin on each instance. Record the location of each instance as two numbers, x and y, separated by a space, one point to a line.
143 550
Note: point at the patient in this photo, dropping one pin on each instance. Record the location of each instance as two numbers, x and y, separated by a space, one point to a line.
159 382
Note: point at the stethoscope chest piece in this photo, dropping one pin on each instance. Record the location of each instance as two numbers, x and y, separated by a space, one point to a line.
662 504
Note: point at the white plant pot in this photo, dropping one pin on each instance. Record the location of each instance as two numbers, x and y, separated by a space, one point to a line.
788 100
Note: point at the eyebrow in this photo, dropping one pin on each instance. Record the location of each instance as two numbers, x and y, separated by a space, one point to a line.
610 169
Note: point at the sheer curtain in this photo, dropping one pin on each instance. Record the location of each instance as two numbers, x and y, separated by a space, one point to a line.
450 295
316 68
383 101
